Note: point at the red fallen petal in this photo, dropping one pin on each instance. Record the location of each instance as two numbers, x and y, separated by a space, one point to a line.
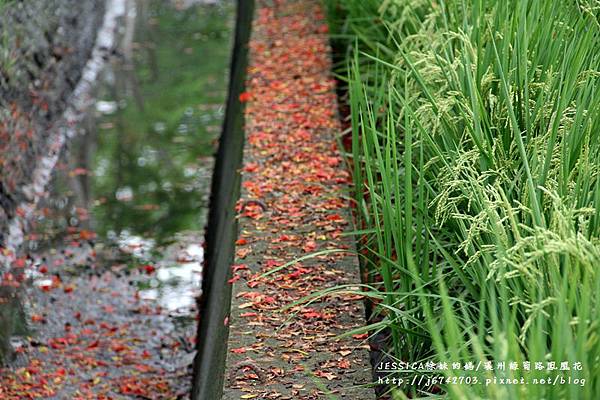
86 235
239 267
309 246
143 367
334 217
118 347
57 343
333 161
86 332
104 325
78 171
248 314
149 269
93 345
71 337
251 167
241 350
32 370
37 318
312 314
272 264
245 96
361 336
294 275
249 295
234 279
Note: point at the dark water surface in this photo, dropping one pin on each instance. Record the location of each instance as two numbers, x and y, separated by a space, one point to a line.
130 194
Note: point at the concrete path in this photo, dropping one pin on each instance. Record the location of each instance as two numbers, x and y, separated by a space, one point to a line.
293 205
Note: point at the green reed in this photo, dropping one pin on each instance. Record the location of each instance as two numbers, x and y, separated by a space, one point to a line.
476 152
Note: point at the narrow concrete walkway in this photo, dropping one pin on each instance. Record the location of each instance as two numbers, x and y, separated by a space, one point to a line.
293 204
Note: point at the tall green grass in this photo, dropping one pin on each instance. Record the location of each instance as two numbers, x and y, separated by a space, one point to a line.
476 151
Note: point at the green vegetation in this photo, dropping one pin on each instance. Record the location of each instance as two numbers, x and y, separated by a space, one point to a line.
476 148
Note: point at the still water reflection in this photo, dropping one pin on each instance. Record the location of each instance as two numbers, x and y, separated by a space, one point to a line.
144 165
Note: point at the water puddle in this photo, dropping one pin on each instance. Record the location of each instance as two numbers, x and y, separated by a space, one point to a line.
177 281
130 195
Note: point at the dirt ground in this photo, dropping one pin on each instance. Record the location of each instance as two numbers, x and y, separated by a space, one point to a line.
94 335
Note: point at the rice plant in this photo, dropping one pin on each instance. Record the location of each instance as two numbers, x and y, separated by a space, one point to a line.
476 153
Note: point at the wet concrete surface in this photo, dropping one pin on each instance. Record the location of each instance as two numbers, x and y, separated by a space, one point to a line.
94 333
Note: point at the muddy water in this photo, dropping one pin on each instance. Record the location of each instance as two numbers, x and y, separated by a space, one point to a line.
129 198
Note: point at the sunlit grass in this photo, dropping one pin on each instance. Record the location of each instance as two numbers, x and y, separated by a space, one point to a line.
476 146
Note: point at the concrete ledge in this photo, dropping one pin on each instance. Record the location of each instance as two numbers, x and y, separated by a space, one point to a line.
221 232
292 205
